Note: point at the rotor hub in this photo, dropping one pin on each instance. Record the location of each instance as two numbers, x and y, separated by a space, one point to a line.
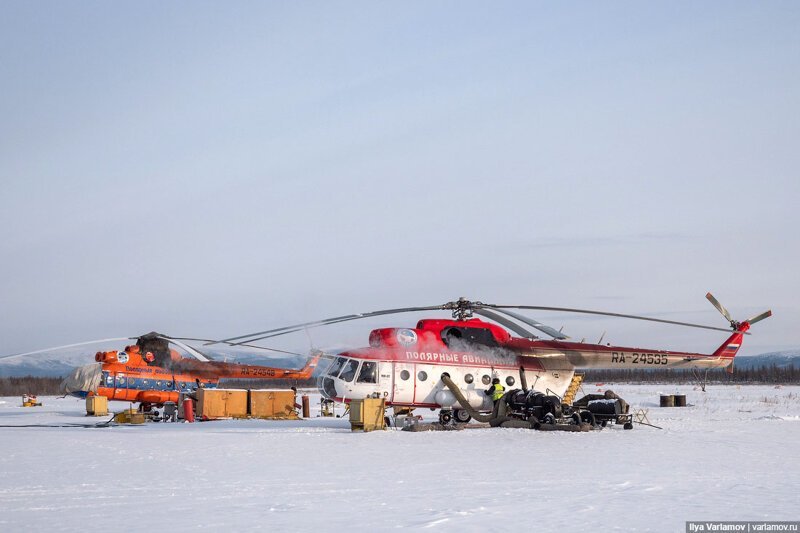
462 308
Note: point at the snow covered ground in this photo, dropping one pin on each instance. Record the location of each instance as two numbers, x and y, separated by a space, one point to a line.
730 455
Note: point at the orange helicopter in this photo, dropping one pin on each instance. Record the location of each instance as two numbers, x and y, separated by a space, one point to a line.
151 373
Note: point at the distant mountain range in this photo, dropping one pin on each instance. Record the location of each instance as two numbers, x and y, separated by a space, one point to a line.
60 363
784 359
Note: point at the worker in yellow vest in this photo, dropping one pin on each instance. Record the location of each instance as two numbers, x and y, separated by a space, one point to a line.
496 391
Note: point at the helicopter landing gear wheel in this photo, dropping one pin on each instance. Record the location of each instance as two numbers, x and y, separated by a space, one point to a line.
549 418
462 416
445 417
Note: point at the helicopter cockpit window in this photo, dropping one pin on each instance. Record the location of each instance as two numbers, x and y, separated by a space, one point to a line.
336 366
369 373
349 370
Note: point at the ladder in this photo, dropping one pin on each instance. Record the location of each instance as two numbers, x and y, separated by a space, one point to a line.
573 388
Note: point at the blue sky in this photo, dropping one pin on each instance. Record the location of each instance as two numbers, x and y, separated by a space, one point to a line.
208 169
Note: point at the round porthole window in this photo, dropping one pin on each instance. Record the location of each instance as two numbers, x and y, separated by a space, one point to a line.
422 376
404 375
510 381
486 379
469 378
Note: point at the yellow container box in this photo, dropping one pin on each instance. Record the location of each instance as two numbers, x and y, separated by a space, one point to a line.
273 404
96 406
129 416
221 403
367 414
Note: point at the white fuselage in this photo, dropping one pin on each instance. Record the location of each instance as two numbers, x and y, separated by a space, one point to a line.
419 384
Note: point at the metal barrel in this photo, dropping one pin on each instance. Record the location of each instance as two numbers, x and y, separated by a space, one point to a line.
306 407
667 400
680 400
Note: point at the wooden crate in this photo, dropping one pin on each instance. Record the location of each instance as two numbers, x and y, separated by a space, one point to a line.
221 403
269 403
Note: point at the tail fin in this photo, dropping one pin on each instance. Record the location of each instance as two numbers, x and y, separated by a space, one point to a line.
731 346
311 364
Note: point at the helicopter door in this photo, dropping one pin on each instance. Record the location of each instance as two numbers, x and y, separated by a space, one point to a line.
424 383
385 379
404 382
120 384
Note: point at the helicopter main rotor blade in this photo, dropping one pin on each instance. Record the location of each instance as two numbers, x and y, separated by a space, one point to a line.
338 320
295 329
276 330
462 309
759 318
68 346
516 328
604 313
252 337
556 334
188 349
237 345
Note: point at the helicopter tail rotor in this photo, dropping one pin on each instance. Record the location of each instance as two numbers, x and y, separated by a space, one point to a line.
759 318
730 347
736 325
721 309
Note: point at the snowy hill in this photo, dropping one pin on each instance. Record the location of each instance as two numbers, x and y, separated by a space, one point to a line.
47 364
784 359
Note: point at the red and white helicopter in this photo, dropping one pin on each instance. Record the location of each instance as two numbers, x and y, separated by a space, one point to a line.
405 365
